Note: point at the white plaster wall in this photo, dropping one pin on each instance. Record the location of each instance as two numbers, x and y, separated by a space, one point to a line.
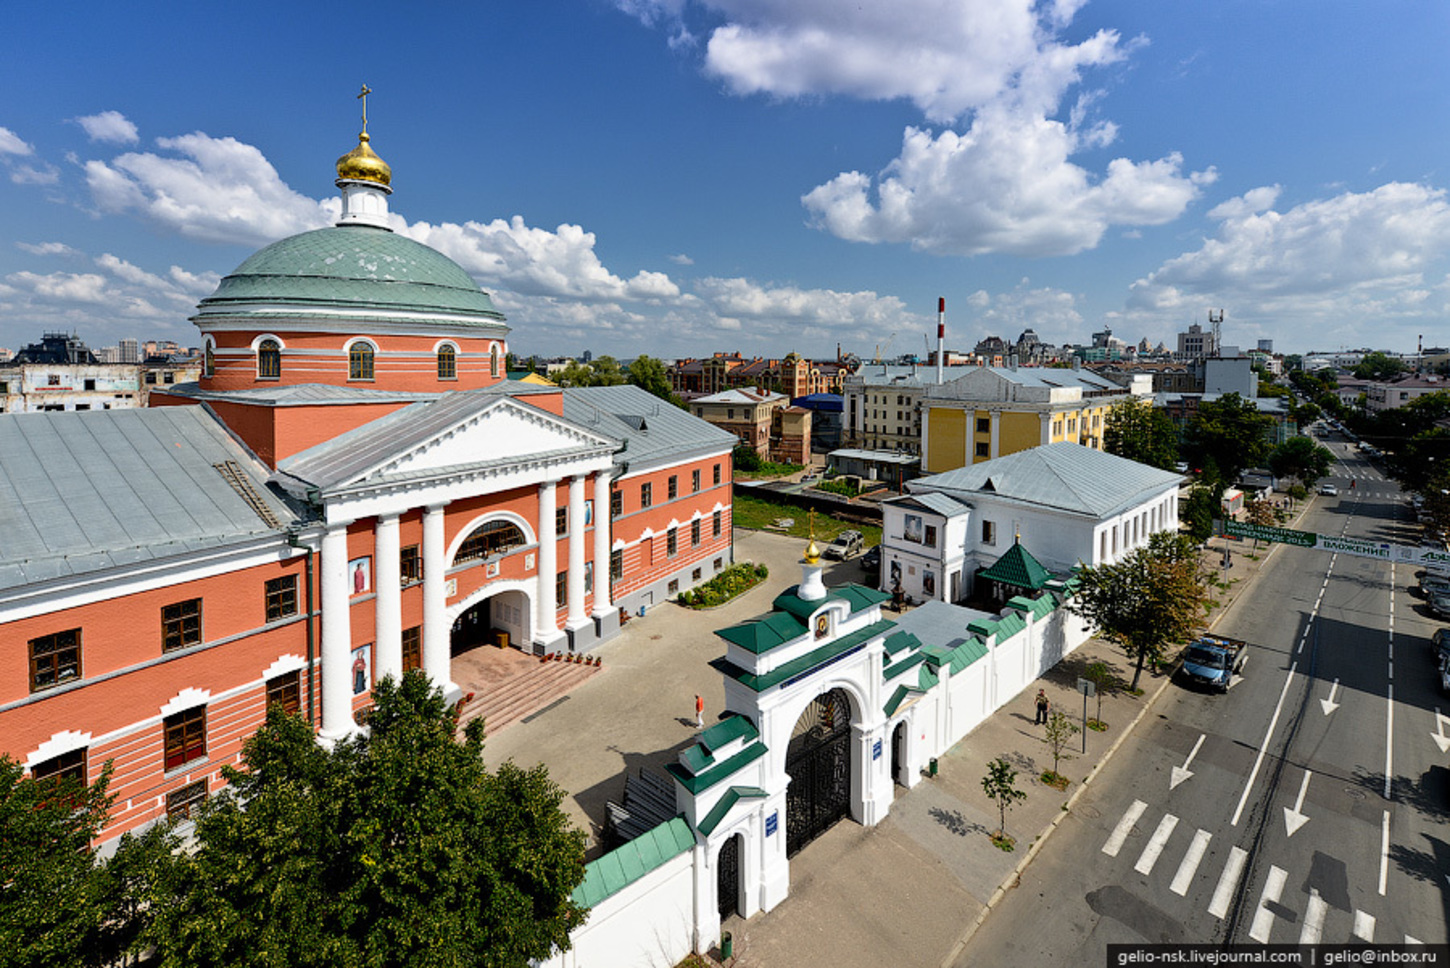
648 923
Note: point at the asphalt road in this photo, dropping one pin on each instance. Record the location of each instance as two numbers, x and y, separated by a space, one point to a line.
1307 804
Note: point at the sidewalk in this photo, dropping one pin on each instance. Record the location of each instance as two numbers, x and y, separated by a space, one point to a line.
909 891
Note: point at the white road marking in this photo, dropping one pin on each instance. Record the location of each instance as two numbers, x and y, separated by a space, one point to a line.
1155 845
1189 866
1228 882
1314 916
1180 773
1384 852
1124 827
1259 761
1294 819
1389 737
1263 917
1363 926
1329 704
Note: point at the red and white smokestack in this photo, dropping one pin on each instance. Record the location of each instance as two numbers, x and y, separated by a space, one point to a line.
941 335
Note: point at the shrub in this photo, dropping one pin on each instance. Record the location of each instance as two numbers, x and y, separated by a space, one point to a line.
735 580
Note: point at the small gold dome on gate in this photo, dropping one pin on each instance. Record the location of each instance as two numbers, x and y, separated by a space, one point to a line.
363 164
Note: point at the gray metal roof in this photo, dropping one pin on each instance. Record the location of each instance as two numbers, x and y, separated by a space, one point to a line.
1063 476
933 502
657 432
82 492
939 623
295 395
876 456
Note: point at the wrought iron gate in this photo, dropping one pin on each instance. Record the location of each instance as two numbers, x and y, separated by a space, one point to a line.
727 878
819 763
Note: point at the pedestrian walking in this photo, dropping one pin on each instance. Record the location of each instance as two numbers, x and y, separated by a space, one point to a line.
699 712
1042 706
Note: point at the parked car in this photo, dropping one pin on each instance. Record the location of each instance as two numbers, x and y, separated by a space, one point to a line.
810 478
1433 584
1440 643
1440 604
871 560
1214 660
1329 490
846 545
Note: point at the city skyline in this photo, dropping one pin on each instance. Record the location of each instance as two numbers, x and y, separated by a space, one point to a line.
678 178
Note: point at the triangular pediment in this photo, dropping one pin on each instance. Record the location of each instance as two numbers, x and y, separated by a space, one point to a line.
502 430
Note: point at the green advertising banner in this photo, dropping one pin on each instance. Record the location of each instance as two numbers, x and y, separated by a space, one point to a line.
1383 550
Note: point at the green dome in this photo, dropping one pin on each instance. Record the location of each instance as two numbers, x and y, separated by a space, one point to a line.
370 270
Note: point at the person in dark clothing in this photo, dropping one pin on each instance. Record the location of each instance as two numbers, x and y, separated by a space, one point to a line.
1042 706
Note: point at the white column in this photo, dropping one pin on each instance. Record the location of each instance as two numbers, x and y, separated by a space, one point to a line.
1045 422
337 723
388 608
994 449
602 604
576 616
436 629
546 623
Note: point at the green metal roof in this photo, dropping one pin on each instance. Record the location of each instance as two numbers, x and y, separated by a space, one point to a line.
729 729
354 266
695 782
856 597
1017 568
900 640
622 867
892 671
762 635
732 796
805 663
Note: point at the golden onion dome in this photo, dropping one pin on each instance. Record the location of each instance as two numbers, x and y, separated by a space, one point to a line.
813 554
363 164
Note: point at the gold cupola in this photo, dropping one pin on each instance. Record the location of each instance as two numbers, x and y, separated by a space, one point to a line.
363 164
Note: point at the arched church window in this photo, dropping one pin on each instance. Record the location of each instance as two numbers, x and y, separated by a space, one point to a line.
493 362
360 362
447 363
489 539
269 360
208 361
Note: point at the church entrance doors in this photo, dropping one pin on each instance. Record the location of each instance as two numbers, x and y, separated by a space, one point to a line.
501 619
818 761
727 878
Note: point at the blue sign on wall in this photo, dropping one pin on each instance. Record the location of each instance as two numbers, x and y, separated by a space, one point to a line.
876 750
772 822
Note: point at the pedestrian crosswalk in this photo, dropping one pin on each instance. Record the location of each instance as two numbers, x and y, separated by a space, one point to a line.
1157 851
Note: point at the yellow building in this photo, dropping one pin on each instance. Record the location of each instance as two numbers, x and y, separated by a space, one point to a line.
994 411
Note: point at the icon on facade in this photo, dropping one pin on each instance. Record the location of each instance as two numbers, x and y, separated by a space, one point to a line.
360 573
361 669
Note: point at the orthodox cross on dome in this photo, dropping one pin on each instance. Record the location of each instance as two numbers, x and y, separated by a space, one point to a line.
363 96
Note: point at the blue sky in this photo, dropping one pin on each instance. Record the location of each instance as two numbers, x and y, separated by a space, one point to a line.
677 177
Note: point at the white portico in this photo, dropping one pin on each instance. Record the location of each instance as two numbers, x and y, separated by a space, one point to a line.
489 525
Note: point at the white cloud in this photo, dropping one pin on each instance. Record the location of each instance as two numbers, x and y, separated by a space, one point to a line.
681 260
776 315
45 248
1331 265
1051 313
109 126
218 190
46 174
85 287
12 144
1007 185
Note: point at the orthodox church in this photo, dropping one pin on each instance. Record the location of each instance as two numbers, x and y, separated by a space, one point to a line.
352 489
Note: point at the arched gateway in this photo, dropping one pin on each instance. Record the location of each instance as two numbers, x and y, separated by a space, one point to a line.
818 761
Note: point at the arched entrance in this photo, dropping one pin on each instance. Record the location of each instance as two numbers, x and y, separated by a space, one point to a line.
818 761
898 754
727 878
500 619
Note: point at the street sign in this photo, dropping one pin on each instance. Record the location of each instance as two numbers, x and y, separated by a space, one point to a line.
1383 550
1086 687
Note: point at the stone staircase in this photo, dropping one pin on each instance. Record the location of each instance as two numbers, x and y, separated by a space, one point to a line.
530 688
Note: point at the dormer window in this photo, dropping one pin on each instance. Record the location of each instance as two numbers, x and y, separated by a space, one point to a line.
269 360
360 362
447 363
208 361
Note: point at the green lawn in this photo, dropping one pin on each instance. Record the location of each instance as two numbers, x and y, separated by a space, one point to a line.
752 512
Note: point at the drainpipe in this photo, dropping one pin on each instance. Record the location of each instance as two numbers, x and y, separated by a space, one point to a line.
294 540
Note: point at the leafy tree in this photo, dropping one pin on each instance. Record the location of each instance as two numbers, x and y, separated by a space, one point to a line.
1415 439
1301 458
1058 732
746 459
1139 431
649 374
1230 432
1155 595
1198 513
49 908
394 847
1000 787
1102 679
1378 366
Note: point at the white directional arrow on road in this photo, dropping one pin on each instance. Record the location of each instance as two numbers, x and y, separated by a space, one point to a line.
1294 819
1329 704
1181 773
1441 740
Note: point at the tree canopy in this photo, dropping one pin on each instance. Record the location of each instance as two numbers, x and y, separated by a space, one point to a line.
395 847
1301 458
1139 431
649 374
1228 433
1378 366
1155 595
